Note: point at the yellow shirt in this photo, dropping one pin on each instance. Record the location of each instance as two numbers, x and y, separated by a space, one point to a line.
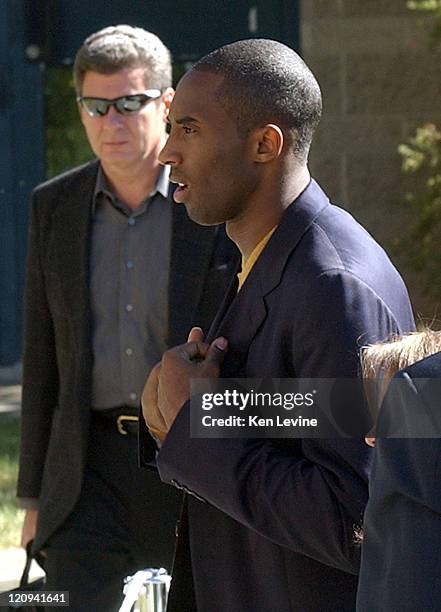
248 264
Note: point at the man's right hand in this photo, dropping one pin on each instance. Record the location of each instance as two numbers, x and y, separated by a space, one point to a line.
29 526
149 401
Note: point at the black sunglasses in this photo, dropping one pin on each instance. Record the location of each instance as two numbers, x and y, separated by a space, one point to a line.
125 105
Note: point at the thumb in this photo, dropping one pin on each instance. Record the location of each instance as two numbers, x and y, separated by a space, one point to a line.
196 335
217 350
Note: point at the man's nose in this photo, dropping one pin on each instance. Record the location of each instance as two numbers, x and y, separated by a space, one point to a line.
169 154
113 117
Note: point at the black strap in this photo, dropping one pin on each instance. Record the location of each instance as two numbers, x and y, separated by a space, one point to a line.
24 581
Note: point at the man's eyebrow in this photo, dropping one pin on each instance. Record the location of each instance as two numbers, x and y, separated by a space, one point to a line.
186 119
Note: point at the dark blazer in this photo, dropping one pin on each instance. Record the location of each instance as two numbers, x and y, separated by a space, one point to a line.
277 533
401 556
58 354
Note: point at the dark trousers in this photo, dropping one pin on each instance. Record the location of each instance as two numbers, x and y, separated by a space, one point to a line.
124 521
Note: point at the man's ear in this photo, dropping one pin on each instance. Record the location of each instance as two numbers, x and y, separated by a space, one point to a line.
166 99
267 143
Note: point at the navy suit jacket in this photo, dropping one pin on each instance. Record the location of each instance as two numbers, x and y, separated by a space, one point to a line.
277 532
402 526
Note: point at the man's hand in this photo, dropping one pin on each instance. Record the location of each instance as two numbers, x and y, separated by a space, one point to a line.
179 366
149 400
168 386
29 526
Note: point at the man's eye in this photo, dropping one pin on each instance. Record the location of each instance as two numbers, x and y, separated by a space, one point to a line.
168 127
187 129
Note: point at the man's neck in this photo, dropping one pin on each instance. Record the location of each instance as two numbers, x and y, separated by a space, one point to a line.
265 212
132 185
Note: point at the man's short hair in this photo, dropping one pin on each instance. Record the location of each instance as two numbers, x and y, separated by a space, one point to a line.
267 82
118 47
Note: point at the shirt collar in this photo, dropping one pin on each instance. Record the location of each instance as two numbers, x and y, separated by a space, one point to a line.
102 187
163 184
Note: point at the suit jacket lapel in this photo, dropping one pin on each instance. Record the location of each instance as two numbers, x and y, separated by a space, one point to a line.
71 225
243 313
192 247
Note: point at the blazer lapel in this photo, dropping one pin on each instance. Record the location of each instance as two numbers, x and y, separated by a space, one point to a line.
191 251
71 226
243 313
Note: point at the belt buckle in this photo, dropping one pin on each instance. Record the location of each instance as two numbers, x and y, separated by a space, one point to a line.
122 419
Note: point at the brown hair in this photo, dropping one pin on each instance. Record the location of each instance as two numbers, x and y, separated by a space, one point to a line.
117 47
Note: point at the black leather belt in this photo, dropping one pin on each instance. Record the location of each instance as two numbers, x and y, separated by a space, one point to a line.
123 418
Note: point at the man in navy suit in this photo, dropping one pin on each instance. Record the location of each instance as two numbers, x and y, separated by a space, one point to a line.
269 524
402 525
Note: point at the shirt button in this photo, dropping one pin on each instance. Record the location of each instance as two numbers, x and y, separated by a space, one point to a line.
130 264
129 351
131 221
133 396
129 308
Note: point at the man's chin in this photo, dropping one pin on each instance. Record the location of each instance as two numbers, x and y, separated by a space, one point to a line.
116 159
199 216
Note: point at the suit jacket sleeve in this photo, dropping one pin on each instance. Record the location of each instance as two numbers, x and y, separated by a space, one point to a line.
408 451
40 374
309 500
402 517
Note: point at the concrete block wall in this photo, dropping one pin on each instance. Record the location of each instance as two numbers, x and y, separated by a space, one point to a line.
380 79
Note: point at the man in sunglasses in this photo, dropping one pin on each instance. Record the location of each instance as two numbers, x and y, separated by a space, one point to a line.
116 274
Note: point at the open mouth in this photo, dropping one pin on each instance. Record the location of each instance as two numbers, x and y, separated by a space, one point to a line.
180 193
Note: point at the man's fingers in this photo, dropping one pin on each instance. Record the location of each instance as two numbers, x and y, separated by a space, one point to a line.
149 398
156 425
196 335
190 351
217 350
150 392
149 401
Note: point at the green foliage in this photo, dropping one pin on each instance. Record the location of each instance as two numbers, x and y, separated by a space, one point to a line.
67 145
421 156
11 517
434 7
424 5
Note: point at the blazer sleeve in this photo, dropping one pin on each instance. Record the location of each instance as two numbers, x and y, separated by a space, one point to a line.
402 519
309 501
408 448
40 373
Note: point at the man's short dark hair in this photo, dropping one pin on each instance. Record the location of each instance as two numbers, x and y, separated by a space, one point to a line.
118 47
267 82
